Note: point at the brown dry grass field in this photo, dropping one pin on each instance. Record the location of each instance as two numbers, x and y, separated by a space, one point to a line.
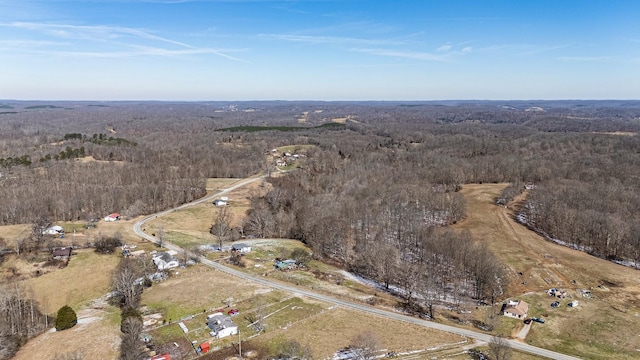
12 232
604 327
334 328
190 226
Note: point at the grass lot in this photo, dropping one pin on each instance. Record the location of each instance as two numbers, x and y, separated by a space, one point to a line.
190 226
599 328
195 289
87 277
94 337
333 328
294 148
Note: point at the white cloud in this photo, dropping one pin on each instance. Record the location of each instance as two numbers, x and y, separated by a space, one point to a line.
108 36
404 54
444 48
328 39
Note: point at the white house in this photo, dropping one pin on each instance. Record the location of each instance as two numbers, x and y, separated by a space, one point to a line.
241 248
165 261
220 202
516 309
54 230
221 326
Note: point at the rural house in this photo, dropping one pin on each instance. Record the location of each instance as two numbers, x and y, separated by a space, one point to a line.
220 202
241 248
165 261
54 230
517 309
221 325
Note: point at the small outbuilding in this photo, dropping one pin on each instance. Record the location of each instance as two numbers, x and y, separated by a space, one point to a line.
62 253
205 347
112 217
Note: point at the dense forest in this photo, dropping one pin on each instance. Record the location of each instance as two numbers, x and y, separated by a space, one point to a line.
390 162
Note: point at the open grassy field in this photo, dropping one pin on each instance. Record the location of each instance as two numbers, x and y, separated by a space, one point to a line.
190 226
87 277
198 291
96 336
602 327
81 285
333 329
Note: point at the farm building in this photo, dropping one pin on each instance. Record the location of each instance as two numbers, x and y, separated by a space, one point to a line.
161 357
517 309
165 261
221 326
62 253
241 248
112 217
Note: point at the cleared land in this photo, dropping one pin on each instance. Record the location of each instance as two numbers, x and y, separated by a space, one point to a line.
593 330
589 331
190 226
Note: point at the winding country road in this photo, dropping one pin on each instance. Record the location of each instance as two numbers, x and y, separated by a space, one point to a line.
137 228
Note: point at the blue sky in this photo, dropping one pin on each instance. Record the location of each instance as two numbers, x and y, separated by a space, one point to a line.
319 50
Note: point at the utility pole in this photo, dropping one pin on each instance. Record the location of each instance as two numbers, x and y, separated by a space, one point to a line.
239 343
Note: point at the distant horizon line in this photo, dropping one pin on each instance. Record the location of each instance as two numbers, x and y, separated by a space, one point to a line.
317 100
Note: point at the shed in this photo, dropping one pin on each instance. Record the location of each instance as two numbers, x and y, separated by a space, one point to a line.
165 356
204 347
112 217
62 253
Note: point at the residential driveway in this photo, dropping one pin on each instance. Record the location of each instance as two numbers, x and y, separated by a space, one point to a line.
522 334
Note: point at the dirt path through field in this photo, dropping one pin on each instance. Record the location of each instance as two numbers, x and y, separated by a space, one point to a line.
536 263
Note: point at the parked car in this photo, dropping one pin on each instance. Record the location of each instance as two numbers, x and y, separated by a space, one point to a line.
477 355
233 312
527 321
538 320
555 304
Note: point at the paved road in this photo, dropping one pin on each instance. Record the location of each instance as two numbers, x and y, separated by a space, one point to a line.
346 304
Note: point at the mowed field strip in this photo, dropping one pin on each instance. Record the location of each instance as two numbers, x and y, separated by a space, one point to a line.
603 327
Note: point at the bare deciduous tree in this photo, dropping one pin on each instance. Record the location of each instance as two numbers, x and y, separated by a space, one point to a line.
124 283
499 348
365 345
221 227
131 347
292 350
